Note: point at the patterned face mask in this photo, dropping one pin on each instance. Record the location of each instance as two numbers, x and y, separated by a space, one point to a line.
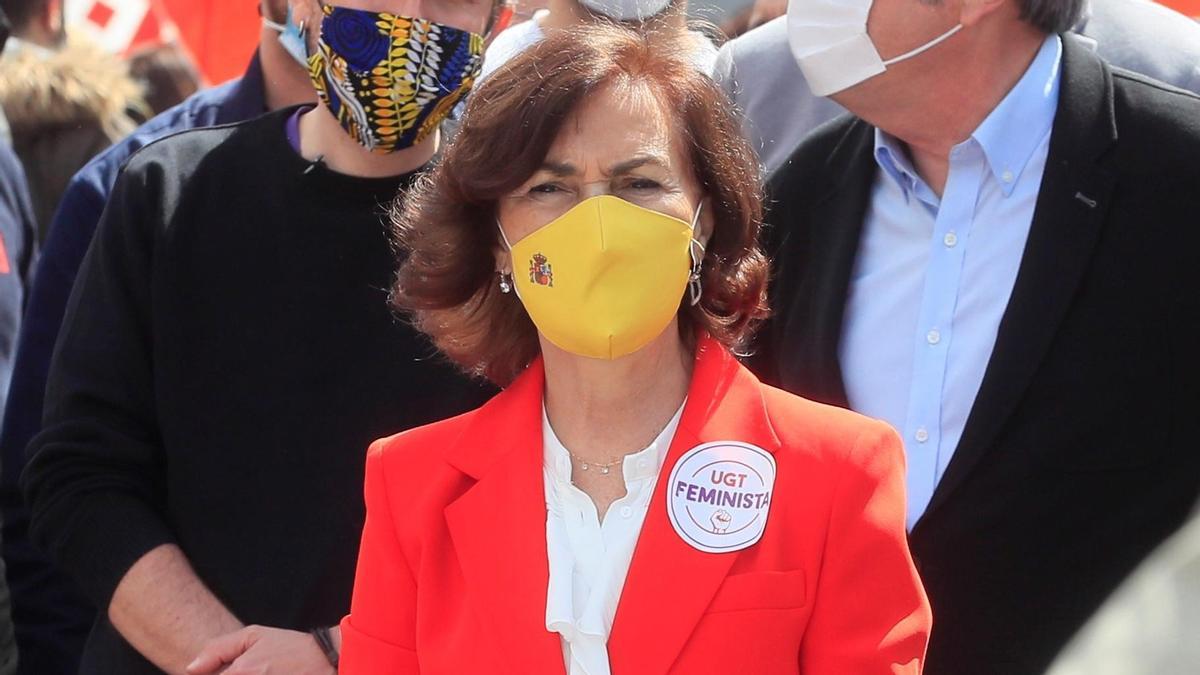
390 80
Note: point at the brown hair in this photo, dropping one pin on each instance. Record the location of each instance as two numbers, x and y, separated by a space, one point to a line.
446 222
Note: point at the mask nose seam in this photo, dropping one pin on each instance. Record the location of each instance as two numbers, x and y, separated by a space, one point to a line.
600 219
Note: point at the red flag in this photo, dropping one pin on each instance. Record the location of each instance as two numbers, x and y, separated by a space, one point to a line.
1188 7
120 26
220 34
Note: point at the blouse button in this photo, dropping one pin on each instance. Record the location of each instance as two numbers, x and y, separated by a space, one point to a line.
626 512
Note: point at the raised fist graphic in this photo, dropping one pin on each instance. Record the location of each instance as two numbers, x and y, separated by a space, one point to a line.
721 521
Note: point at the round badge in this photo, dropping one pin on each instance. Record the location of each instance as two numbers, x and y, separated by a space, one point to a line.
719 495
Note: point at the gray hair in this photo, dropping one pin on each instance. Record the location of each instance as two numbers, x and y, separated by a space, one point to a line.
1048 16
1052 16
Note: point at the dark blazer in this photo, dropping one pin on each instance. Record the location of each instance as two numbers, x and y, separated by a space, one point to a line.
1082 450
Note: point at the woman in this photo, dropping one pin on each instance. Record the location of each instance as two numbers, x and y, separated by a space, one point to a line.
635 501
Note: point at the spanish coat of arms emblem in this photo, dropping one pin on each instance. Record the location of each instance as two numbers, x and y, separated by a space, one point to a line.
540 272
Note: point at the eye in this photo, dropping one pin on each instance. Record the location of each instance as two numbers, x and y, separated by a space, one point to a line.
639 183
545 189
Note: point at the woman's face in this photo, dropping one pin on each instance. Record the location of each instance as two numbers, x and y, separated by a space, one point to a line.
619 142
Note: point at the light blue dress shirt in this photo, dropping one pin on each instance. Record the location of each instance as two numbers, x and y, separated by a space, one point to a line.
933 276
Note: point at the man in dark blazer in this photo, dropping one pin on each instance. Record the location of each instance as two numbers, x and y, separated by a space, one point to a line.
1021 301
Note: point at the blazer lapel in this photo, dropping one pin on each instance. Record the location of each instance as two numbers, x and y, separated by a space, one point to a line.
1070 212
499 525
670 584
822 256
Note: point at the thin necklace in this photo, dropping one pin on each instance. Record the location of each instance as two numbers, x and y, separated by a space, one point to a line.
605 468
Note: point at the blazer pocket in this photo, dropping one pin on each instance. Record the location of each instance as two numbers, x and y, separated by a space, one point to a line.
760 590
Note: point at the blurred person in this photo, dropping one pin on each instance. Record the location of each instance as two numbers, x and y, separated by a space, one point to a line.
65 100
664 19
228 353
998 257
51 613
752 16
589 244
513 13
167 75
18 236
5 33
1149 626
760 73
524 10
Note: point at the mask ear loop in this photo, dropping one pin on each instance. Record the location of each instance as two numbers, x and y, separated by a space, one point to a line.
924 48
511 282
695 288
282 27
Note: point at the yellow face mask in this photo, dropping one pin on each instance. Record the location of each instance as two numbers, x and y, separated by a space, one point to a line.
605 278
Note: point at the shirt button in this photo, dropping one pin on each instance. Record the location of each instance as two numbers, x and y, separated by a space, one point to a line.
922 435
950 240
933 337
1008 177
626 512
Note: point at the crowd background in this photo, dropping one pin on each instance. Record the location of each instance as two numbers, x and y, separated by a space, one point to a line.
65 101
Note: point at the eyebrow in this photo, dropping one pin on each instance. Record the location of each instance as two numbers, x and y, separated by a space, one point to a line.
559 169
562 169
639 161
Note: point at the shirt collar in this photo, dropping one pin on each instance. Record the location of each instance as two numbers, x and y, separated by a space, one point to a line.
1009 135
1013 131
893 159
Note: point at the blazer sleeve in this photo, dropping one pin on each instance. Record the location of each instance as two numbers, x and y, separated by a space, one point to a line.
379 634
870 613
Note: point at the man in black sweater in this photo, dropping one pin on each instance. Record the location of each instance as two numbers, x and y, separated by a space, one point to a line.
228 354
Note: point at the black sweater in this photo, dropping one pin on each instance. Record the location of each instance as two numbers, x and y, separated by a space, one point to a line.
226 357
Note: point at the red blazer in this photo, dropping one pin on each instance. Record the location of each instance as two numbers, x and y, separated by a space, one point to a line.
452 574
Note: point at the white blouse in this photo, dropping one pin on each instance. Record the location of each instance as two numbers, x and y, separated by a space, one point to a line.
589 559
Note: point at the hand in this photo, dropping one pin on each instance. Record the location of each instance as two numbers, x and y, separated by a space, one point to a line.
258 650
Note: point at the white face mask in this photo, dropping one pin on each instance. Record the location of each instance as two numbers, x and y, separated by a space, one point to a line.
626 10
830 42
